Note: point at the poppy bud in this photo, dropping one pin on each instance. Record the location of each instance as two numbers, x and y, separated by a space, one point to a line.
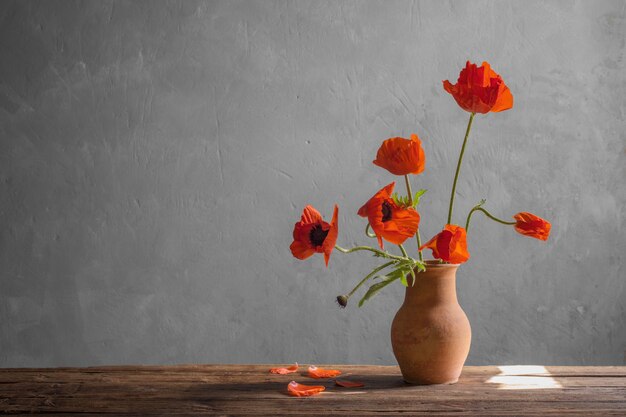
528 224
342 300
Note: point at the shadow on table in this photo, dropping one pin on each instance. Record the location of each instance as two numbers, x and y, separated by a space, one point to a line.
272 386
526 377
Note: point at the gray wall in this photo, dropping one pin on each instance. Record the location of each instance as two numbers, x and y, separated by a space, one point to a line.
154 157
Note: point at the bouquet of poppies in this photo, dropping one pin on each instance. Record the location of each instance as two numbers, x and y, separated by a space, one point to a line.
394 218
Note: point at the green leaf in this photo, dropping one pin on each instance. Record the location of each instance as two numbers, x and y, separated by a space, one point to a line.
403 280
373 290
405 201
396 199
412 272
416 198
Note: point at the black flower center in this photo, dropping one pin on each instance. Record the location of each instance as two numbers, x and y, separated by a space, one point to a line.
386 211
317 235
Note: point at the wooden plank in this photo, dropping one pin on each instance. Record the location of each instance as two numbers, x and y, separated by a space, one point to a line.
251 390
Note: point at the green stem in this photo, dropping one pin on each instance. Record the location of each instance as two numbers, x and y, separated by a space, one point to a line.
417 232
458 167
412 272
371 274
491 216
367 231
369 248
403 251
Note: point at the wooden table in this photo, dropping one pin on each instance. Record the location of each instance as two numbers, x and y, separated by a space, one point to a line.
251 390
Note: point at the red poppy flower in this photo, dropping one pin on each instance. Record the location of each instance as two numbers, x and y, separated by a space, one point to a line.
388 220
480 90
283 371
533 226
401 156
312 234
315 372
301 390
449 245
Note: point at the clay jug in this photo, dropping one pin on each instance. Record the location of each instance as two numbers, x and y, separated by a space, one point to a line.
430 333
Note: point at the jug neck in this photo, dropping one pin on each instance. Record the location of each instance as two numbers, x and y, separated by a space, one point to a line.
435 285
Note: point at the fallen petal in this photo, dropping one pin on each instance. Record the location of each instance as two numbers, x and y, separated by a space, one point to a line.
348 384
300 390
283 371
315 372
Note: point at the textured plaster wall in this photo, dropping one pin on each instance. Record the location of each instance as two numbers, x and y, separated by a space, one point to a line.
154 157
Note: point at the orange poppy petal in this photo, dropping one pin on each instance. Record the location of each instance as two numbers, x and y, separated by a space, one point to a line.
331 237
431 244
504 101
449 87
373 203
459 253
363 210
421 155
380 242
315 372
402 225
301 250
444 242
373 210
301 390
396 237
282 371
311 215
486 75
458 246
348 384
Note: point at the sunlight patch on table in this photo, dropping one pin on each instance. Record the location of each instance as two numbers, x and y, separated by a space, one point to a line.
524 377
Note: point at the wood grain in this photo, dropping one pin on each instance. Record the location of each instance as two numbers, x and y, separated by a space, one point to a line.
251 390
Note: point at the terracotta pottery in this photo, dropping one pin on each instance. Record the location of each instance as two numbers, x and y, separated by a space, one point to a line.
430 333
